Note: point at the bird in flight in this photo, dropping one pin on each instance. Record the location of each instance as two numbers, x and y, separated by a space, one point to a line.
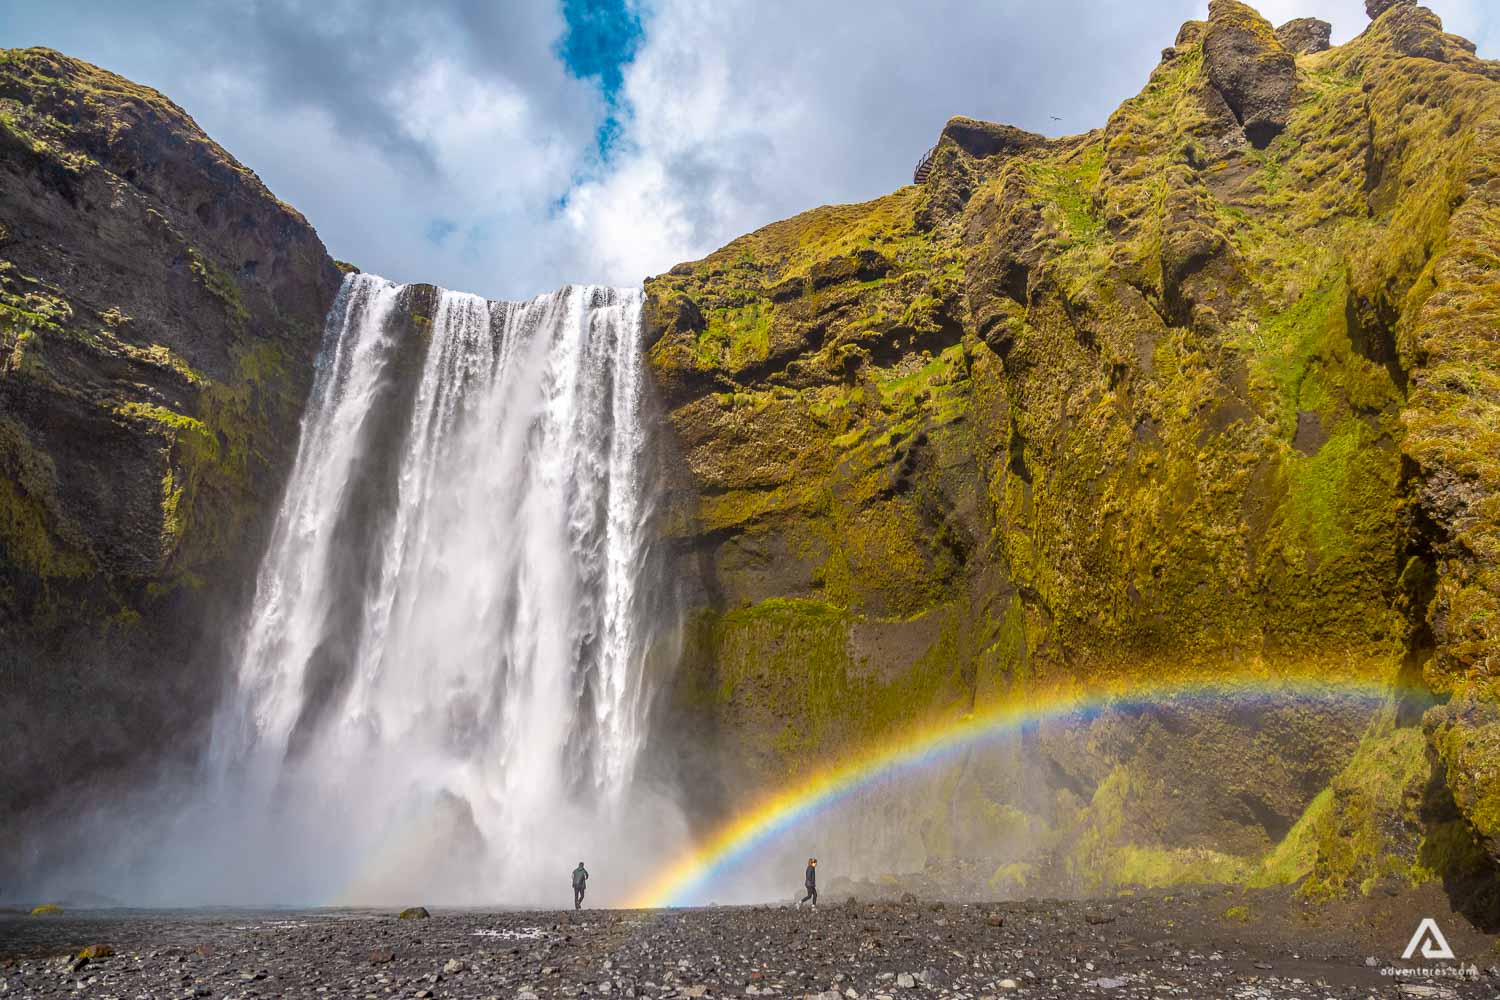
1054 118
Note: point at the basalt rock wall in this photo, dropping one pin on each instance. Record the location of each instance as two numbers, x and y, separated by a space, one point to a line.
160 311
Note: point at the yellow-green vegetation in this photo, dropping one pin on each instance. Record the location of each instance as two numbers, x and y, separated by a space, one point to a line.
95 951
1153 398
1292 859
786 667
1013 877
1386 819
32 534
46 909
1239 913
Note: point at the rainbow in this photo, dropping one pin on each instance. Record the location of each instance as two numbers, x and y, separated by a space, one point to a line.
923 746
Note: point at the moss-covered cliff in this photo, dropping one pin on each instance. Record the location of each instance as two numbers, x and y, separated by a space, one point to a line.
159 314
1212 389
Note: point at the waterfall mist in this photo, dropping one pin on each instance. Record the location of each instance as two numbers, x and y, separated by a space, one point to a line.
443 687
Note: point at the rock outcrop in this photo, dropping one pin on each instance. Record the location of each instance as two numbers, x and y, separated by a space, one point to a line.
1305 35
159 314
1205 391
1247 65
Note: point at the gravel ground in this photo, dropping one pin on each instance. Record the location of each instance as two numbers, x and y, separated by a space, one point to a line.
1200 944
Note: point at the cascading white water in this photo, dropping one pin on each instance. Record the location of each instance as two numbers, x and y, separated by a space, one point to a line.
442 683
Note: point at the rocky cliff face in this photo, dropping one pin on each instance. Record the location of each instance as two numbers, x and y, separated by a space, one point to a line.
159 314
1211 390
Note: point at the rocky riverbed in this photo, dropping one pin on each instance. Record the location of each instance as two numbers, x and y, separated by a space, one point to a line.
1198 944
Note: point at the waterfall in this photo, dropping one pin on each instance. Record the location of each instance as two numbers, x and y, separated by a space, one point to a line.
442 684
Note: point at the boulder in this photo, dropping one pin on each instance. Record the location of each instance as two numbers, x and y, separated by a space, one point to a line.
415 913
1304 35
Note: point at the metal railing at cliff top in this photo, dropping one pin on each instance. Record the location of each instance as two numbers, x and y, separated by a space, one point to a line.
924 167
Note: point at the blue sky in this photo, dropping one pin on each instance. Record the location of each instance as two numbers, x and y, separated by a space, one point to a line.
507 147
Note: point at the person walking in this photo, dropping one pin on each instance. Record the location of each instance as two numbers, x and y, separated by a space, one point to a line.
811 881
580 883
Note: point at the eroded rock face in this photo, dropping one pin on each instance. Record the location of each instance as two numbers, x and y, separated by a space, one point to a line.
983 139
1115 405
159 313
1305 35
1374 8
1248 66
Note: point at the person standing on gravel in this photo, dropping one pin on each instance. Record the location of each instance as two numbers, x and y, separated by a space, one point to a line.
811 881
580 882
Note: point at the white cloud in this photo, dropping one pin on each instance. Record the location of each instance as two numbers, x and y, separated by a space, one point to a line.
385 123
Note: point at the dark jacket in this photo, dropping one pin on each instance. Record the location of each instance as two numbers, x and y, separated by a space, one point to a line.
812 876
580 876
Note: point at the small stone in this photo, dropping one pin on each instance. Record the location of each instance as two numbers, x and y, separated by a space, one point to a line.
906 981
1107 983
381 957
1009 984
453 966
